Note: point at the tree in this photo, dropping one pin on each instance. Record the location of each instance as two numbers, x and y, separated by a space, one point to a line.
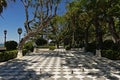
43 12
40 41
94 20
56 26
3 4
85 22
11 45
72 23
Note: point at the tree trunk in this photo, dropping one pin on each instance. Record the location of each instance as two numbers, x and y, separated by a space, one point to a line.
86 38
58 44
23 40
30 34
113 31
73 39
19 55
43 19
99 40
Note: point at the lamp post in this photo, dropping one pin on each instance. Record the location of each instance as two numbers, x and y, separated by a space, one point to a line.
5 32
19 55
19 32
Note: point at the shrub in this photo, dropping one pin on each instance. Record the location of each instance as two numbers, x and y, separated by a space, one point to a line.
24 52
91 47
45 46
111 54
52 43
51 47
108 44
28 46
116 47
40 41
67 47
7 55
11 45
81 44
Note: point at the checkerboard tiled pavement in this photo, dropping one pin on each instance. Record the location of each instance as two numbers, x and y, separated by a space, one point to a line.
58 65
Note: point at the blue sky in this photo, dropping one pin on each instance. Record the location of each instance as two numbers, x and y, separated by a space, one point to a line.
14 17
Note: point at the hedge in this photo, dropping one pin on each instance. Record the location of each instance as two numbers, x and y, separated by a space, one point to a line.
111 54
51 47
41 41
28 46
67 47
24 52
91 47
11 45
7 55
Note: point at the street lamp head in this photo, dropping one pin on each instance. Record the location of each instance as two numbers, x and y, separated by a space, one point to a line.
5 32
19 31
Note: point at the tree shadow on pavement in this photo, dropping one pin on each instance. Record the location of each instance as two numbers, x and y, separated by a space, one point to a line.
49 54
97 66
17 70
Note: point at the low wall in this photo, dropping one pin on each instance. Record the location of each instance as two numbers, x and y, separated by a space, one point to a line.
40 49
47 49
2 48
43 49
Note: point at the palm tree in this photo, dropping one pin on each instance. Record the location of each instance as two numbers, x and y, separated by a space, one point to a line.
3 4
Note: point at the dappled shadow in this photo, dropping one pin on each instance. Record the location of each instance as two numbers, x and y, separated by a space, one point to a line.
17 70
49 54
96 66
23 69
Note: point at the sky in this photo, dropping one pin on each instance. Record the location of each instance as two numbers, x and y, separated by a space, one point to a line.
14 17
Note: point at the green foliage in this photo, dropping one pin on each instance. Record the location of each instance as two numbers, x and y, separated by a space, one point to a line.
81 44
67 40
91 47
52 43
111 50
55 29
24 52
7 55
28 46
85 16
45 46
3 4
111 54
11 45
67 47
51 47
40 41
116 47
108 44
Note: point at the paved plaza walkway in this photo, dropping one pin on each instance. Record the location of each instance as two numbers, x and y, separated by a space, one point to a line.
60 65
